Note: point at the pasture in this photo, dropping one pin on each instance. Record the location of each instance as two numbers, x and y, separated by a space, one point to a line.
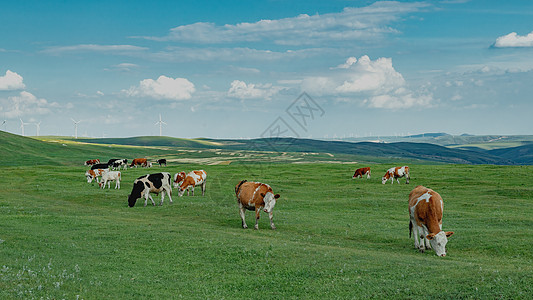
61 237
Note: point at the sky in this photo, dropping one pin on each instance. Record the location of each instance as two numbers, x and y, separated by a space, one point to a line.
247 69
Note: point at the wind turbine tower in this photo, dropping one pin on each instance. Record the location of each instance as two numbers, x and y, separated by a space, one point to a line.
22 126
160 122
38 125
75 128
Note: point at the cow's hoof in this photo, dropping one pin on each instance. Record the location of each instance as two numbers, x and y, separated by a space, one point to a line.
256 228
273 227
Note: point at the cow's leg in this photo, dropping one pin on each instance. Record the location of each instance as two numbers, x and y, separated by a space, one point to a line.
241 212
420 235
415 234
188 191
271 221
145 199
109 184
425 241
392 180
192 190
398 180
169 191
152 199
257 211
162 198
203 188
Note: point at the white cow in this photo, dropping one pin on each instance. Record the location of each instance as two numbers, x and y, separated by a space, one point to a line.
109 176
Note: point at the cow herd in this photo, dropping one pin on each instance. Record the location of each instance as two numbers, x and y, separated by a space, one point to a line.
425 211
425 205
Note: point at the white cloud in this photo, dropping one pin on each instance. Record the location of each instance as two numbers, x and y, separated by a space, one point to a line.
514 40
377 82
353 23
241 90
26 104
163 88
121 49
11 81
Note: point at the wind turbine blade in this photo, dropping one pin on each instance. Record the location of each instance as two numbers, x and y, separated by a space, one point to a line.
163 123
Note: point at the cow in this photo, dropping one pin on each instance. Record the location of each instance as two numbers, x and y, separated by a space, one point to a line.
178 178
151 183
99 166
193 179
425 214
361 172
111 161
93 174
138 162
255 196
91 162
162 162
109 176
396 173
118 163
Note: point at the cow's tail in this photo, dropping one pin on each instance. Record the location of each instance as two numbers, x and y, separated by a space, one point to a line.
410 228
238 187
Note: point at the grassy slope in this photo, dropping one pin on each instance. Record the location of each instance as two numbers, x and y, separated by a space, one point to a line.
336 237
17 150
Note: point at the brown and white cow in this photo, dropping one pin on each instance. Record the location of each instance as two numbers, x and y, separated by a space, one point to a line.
178 178
255 196
361 172
396 173
139 162
151 183
91 162
425 213
194 178
94 174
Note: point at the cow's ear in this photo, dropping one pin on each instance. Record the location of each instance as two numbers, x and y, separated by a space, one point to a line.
430 236
276 196
449 233
263 195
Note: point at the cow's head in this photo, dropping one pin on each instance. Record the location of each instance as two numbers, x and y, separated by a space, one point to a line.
438 241
89 177
178 179
136 192
270 201
384 179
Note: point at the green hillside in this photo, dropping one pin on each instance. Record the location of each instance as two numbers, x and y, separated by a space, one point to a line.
21 151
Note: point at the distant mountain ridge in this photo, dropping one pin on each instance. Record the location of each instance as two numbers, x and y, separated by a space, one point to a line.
420 151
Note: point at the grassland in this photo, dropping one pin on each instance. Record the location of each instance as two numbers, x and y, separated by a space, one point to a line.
336 238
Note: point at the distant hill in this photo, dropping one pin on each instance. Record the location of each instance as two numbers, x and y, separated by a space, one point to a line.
405 150
520 155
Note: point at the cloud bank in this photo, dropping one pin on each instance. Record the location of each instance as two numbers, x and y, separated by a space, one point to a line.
353 23
11 81
163 88
513 40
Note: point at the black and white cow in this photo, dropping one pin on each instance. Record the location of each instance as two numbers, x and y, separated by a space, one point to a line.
150 183
117 164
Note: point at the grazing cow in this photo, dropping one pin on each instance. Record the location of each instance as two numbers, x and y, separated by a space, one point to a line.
425 213
361 172
111 161
151 183
100 166
93 174
178 179
255 196
109 176
192 179
118 163
162 162
139 162
396 173
91 162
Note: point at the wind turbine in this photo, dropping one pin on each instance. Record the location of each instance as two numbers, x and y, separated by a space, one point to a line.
22 126
38 125
160 122
75 127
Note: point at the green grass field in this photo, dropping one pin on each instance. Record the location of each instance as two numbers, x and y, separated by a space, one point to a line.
339 238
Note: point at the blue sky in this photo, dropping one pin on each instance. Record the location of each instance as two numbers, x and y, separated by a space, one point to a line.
232 69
